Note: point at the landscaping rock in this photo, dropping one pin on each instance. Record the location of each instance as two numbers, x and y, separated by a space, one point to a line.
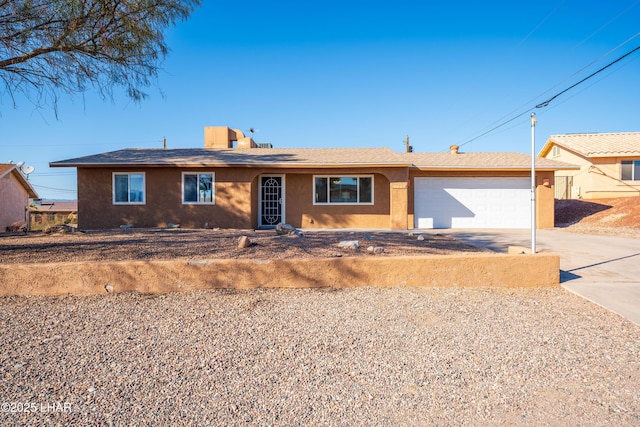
244 242
349 244
17 226
58 228
420 237
285 229
376 250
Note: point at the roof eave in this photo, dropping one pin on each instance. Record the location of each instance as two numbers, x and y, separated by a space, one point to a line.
493 168
234 165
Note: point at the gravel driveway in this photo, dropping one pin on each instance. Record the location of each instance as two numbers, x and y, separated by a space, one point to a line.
365 356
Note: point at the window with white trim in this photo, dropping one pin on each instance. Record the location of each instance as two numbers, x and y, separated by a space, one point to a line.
630 170
129 188
198 188
555 151
349 190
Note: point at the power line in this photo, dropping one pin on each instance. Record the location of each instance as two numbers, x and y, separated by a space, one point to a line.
545 103
52 188
548 101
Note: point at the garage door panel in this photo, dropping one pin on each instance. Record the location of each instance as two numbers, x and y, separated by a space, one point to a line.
472 202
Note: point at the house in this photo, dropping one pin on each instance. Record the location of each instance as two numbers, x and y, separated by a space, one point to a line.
49 212
235 183
609 164
15 191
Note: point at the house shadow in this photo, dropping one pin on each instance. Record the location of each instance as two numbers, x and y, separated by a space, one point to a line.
435 216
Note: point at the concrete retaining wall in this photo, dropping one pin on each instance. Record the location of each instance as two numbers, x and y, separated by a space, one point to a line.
487 270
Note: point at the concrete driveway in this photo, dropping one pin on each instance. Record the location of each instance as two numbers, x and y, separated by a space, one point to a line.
605 270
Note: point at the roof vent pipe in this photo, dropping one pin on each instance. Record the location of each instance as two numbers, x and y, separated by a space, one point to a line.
454 149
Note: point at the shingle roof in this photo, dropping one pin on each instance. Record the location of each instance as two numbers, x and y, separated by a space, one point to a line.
494 161
52 206
311 157
597 144
288 157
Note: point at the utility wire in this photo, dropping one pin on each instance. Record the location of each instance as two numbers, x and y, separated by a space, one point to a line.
545 103
548 101
53 188
554 86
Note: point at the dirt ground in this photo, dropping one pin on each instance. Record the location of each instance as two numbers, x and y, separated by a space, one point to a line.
613 217
161 244
619 217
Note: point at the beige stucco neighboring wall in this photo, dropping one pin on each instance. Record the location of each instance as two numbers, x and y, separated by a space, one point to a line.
598 177
14 201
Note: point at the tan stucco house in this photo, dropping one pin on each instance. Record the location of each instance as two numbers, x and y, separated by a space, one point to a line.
609 164
235 183
15 192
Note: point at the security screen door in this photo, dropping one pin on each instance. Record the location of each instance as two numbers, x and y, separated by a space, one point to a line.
271 200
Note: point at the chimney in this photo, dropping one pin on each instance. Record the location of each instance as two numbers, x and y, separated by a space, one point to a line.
223 137
454 149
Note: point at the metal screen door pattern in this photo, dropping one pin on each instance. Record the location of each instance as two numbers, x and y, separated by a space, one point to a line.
271 213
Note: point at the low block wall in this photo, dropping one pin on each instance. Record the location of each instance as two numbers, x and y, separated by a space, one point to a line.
489 270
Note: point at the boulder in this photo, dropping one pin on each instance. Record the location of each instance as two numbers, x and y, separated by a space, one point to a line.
376 250
420 237
285 229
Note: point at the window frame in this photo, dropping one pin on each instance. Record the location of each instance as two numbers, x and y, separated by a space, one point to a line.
213 187
330 203
635 164
129 202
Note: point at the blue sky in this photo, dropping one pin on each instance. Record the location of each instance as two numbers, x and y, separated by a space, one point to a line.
356 74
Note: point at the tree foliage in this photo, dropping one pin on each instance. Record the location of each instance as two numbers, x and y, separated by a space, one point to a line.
53 46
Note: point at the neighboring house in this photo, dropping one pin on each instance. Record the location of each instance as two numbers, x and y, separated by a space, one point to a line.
609 164
15 192
48 212
252 187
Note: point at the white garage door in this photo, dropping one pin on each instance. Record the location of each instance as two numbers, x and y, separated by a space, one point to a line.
472 202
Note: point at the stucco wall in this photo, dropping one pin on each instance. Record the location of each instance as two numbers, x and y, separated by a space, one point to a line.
232 208
14 201
485 270
598 177
236 200
301 212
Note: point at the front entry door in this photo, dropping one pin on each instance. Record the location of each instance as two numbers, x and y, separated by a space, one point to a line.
271 201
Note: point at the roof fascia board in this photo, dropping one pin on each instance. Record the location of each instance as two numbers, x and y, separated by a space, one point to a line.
8 171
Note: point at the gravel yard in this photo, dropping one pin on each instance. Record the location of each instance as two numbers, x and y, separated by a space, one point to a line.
365 356
160 244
